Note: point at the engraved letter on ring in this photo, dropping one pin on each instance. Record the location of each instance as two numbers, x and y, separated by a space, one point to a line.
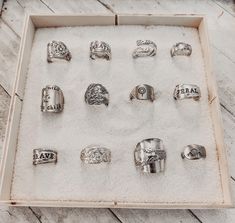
143 92
100 49
194 152
185 91
41 156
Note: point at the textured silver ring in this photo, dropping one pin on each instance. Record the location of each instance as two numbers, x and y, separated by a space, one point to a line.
96 94
194 152
150 155
181 49
187 91
143 92
145 48
41 156
52 99
57 50
100 49
95 155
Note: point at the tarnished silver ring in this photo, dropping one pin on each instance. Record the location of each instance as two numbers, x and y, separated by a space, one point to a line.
57 50
95 155
41 156
194 152
145 48
181 49
100 49
143 92
186 91
52 99
96 94
150 155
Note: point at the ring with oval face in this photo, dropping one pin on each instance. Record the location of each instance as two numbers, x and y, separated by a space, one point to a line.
41 156
145 48
194 152
143 92
187 91
150 155
100 49
95 155
57 50
97 94
52 99
181 49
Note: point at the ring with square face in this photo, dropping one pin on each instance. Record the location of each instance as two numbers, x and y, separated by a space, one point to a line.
100 49
57 50
181 49
52 99
187 91
41 156
143 92
145 48
194 152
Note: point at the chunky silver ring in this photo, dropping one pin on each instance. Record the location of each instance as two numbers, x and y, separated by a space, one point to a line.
100 49
57 50
185 91
194 152
143 92
97 94
41 156
52 99
95 155
181 49
145 48
150 155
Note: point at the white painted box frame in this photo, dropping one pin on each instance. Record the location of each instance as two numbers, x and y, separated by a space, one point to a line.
32 22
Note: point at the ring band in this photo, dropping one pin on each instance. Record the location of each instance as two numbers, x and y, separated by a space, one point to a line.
100 49
41 156
143 92
145 48
181 49
193 152
150 155
186 91
52 99
57 50
95 155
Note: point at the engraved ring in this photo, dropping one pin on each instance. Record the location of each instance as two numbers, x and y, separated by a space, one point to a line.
57 50
143 92
181 49
150 155
41 156
194 152
100 49
186 91
95 155
145 48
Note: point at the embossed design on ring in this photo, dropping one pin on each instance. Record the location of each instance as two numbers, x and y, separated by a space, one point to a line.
143 92
100 49
145 48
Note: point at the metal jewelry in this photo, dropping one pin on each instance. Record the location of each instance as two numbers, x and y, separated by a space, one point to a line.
143 92
41 156
193 152
186 91
181 49
145 48
100 49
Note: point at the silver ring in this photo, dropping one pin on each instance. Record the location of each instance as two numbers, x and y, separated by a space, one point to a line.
186 91
194 152
52 99
57 50
150 155
181 49
145 48
143 92
41 156
97 94
95 155
100 49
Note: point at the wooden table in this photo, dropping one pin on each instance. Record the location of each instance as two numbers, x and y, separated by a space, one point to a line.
221 22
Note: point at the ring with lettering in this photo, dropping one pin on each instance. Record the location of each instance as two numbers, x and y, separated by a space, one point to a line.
100 49
52 99
41 156
143 92
186 91
57 50
150 155
194 152
145 48
181 49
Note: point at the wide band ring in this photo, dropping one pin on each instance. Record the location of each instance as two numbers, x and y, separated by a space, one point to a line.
187 91
95 155
181 49
150 155
41 156
145 48
143 92
100 49
194 152
52 99
96 94
57 50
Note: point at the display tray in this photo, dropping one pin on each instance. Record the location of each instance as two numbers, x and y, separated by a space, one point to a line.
200 183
